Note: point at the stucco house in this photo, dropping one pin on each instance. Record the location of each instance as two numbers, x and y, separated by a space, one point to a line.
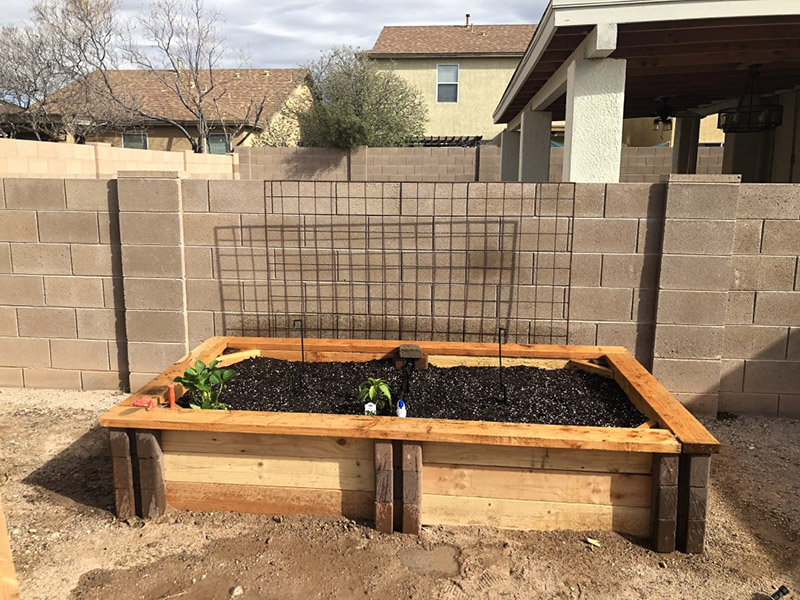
460 70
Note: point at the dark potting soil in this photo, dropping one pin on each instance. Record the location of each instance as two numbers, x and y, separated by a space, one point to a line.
559 397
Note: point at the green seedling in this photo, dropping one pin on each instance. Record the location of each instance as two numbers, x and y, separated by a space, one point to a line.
375 390
206 384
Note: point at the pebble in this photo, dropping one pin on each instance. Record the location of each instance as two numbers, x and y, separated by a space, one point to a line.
237 591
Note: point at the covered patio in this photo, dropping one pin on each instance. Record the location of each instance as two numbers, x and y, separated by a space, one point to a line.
593 64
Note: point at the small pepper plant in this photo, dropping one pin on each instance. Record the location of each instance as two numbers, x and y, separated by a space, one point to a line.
206 384
377 391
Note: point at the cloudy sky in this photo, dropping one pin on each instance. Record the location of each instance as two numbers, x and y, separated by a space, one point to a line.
285 33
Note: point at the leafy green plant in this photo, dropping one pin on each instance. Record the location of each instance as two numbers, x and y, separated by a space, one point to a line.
375 390
206 384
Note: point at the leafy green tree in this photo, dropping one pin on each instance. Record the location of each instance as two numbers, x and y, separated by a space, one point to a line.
356 102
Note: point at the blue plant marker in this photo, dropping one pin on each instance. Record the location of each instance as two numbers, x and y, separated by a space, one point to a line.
401 408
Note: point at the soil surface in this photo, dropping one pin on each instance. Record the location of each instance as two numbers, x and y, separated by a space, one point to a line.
551 396
55 485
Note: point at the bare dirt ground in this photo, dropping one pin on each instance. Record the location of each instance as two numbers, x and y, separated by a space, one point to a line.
55 485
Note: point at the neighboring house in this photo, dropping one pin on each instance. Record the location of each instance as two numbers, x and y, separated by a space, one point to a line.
460 70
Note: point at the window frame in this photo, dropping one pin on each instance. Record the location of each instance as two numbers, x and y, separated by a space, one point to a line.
228 142
144 136
456 83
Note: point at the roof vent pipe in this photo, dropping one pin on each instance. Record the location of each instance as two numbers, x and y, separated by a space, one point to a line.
468 23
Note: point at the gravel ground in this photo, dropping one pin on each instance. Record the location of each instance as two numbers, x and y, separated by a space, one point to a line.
55 487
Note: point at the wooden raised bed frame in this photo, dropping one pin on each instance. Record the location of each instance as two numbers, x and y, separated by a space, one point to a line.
404 473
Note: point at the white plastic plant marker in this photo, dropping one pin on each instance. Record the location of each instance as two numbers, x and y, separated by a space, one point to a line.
401 408
370 409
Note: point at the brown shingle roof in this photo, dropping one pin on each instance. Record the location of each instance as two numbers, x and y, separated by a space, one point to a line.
453 39
241 86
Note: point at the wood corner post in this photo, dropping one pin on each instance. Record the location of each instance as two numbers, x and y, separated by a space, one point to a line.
664 502
384 486
152 488
138 464
122 463
412 487
692 502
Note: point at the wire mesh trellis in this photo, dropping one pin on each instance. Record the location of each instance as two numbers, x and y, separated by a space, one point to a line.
415 261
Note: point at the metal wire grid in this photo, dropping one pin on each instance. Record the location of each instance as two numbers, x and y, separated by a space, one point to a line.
418 261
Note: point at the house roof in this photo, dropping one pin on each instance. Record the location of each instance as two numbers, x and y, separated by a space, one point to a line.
452 40
237 89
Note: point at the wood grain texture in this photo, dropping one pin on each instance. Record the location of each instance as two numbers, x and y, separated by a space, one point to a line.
9 586
231 359
582 365
652 399
537 484
533 515
538 458
439 360
288 472
256 499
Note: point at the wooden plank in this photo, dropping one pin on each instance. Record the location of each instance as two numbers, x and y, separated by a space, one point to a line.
150 473
533 515
652 399
596 461
249 444
256 499
334 473
648 425
439 360
537 484
9 586
322 356
362 426
582 365
227 360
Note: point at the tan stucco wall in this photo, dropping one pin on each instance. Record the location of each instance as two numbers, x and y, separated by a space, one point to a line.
160 138
481 84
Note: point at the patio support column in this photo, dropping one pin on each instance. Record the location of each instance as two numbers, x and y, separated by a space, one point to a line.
684 151
595 101
749 155
509 155
534 145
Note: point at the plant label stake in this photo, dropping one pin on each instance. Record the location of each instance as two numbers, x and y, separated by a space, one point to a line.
171 389
401 408
302 349
502 335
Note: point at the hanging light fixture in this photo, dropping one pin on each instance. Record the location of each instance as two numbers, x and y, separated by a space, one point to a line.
753 113
665 113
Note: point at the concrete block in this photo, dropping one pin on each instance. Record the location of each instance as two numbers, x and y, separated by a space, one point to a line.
605 235
214 229
692 308
153 357
645 200
113 293
101 324
644 305
781 237
789 406
772 377
732 375
101 380
688 341
236 196
768 201
200 327
155 326
153 294
79 292
589 199
11 377
741 308
92 194
751 341
793 351
138 380
699 404
109 228
586 269
600 304
5 257
777 308
630 270
57 379
650 236
41 259
195 195
149 194
211 294
693 375
35 194
198 262
152 261
24 352
747 236
47 322
18 226
582 333
746 403
72 227
702 201
157 229
21 290
771 273
8 321
94 259
79 354
694 236
709 273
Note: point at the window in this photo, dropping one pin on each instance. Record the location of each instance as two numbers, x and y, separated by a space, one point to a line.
219 143
446 83
134 140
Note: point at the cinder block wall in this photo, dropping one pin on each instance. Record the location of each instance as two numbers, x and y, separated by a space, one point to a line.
698 277
61 304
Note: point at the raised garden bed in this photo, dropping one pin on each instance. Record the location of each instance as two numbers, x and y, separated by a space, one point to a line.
647 479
